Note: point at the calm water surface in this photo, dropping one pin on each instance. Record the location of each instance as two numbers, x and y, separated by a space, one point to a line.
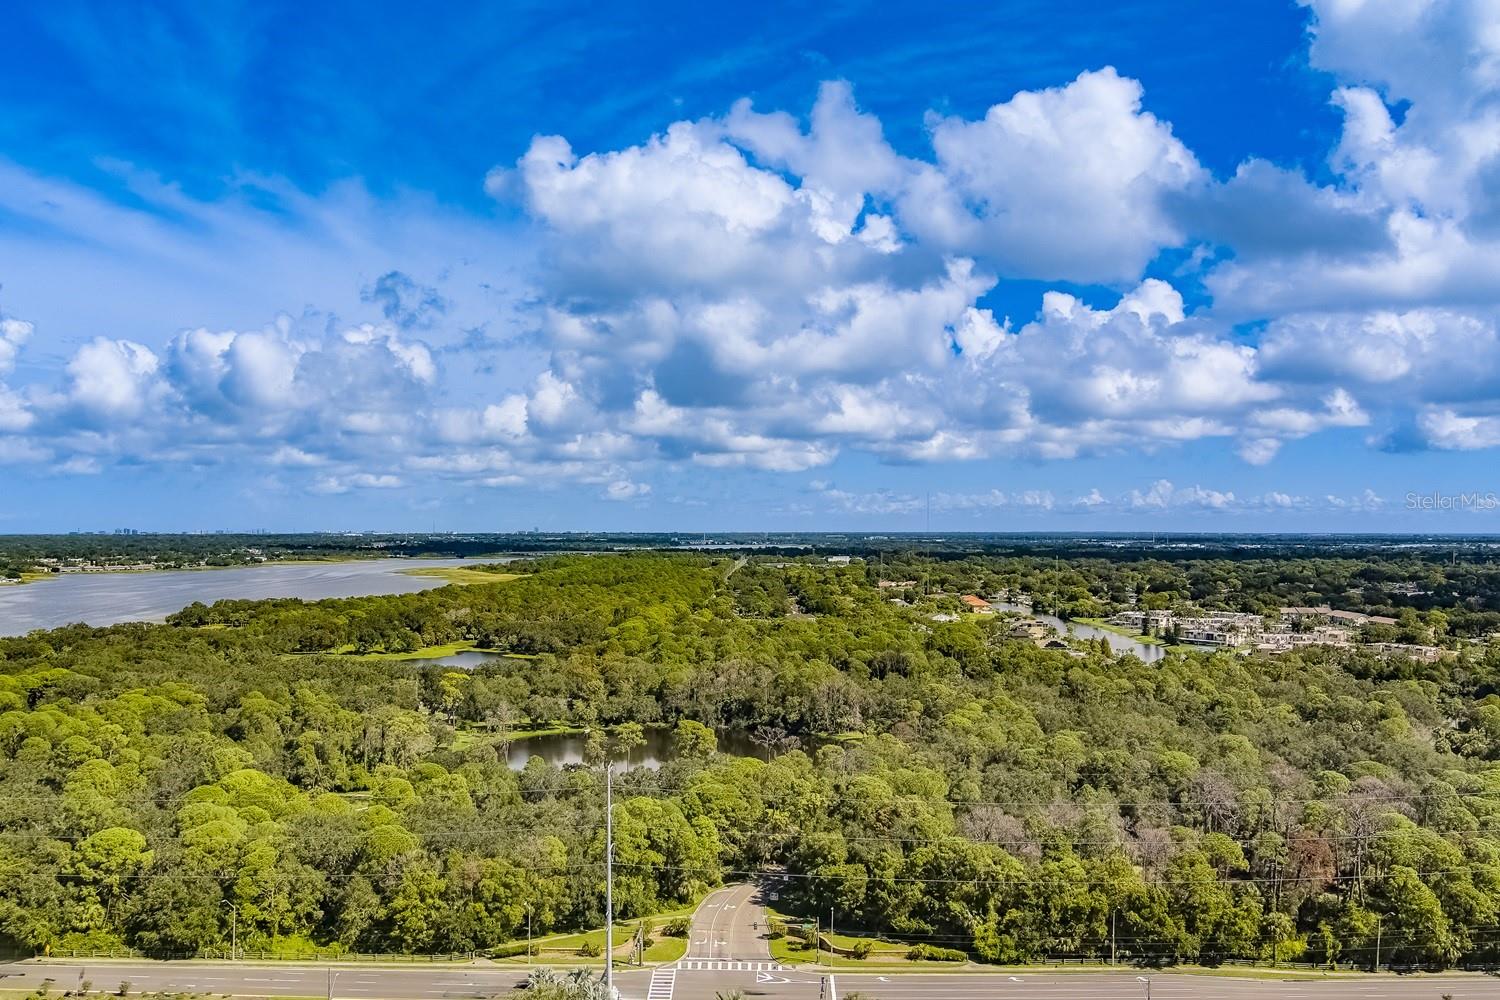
1119 643
562 750
110 598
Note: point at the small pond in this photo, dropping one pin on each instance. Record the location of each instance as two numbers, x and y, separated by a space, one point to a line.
562 749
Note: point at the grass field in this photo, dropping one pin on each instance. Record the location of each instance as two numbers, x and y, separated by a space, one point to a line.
461 574
563 948
1101 623
425 653
466 738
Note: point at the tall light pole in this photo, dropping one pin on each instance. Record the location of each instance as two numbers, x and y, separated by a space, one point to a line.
234 929
609 881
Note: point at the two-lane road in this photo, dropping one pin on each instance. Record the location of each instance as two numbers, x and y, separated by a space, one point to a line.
730 923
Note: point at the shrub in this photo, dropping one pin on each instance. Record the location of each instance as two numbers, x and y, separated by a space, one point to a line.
862 949
590 949
776 929
677 927
932 953
508 950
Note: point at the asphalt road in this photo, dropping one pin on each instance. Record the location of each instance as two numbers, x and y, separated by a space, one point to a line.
730 923
727 950
278 979
792 985
472 982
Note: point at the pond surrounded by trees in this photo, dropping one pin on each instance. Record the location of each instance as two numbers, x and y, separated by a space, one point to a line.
567 749
564 749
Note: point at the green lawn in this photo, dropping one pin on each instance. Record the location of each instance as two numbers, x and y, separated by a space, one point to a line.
790 950
666 949
1101 623
564 947
424 653
462 574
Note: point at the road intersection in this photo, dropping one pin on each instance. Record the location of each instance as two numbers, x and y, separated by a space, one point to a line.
728 951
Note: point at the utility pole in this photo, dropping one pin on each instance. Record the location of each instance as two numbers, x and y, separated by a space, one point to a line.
1377 944
1112 937
234 929
609 881
528 935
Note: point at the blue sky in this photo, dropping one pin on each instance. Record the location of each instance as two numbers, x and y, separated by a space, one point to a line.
1084 266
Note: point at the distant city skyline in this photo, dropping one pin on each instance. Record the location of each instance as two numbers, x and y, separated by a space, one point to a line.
881 267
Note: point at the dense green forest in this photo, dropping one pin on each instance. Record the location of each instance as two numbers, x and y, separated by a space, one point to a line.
983 794
1073 575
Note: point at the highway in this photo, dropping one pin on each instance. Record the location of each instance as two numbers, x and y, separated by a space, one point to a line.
271 979
727 950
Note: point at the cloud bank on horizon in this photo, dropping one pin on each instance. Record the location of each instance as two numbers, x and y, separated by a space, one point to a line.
767 290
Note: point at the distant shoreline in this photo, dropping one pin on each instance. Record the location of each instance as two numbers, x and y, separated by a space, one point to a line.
43 575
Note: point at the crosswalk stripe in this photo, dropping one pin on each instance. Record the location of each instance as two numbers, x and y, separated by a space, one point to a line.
662 983
725 965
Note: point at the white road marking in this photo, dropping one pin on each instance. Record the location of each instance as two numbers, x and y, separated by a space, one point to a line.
663 982
726 965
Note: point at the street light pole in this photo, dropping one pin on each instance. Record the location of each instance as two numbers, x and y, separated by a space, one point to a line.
1147 981
234 929
609 882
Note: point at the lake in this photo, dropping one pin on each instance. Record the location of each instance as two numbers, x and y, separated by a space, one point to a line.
151 595
1117 642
